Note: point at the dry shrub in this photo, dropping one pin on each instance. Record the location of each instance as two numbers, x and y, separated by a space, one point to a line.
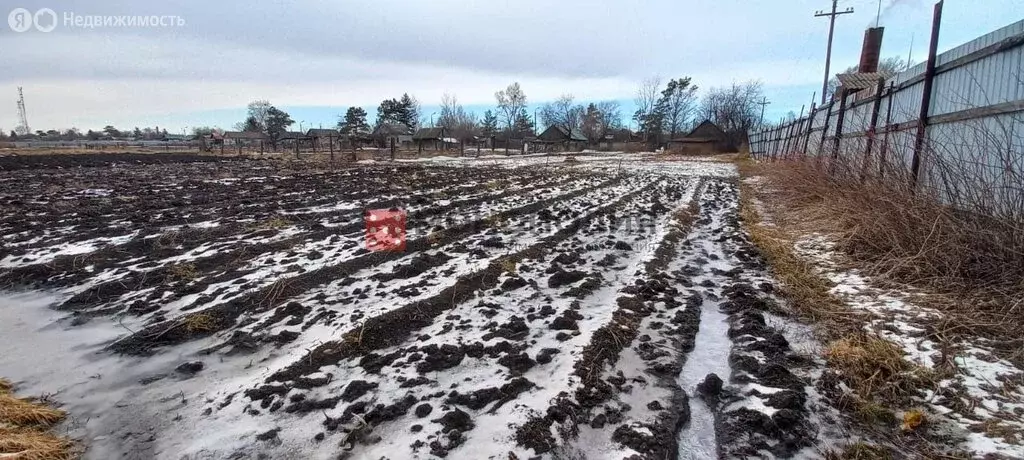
923 238
5 386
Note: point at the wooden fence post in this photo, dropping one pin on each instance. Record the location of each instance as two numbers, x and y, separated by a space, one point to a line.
392 149
330 144
926 97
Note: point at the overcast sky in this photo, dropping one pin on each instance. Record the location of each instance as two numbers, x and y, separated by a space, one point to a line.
315 58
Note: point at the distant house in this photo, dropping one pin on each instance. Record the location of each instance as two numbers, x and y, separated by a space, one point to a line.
558 135
436 138
319 133
321 138
387 133
706 138
243 137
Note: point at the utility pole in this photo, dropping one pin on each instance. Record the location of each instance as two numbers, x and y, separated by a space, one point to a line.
763 103
831 30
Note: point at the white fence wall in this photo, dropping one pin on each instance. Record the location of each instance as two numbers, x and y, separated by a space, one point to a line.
976 115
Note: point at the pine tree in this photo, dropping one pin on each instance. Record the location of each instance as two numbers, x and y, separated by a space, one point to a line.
409 111
489 125
523 125
354 121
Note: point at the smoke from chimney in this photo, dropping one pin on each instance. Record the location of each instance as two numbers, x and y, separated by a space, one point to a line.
871 51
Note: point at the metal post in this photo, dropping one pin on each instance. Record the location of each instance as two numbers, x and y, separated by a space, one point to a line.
836 143
885 136
926 97
824 131
810 128
872 129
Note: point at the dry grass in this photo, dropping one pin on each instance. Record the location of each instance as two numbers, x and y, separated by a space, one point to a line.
508 265
877 371
974 261
273 223
859 451
807 292
24 425
198 322
184 272
882 379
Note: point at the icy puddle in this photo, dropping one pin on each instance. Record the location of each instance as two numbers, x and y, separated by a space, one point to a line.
711 355
712 343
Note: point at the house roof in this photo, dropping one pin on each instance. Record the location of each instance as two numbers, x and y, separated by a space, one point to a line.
859 81
293 135
320 132
428 134
242 135
706 130
392 129
574 135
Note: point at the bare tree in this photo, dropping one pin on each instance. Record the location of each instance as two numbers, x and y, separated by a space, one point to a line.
258 112
646 100
733 108
563 113
611 116
677 104
454 118
511 101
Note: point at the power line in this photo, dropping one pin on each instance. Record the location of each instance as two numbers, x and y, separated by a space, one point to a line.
764 102
831 31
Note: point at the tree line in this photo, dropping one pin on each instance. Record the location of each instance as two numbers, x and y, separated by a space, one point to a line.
664 111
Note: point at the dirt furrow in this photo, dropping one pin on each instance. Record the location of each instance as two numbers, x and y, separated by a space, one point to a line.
223 315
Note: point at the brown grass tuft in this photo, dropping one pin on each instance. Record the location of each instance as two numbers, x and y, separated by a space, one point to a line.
199 322
30 444
23 429
877 370
21 412
184 272
859 451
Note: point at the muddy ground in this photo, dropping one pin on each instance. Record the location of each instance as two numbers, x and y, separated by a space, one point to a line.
201 307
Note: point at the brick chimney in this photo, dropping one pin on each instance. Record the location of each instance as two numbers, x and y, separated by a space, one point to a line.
872 50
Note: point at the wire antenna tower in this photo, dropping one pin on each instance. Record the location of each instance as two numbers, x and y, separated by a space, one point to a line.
22 127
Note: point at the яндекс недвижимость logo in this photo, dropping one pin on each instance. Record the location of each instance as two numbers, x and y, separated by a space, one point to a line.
45 20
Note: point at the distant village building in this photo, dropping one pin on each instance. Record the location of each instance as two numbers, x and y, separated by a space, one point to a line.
706 138
248 138
558 135
435 138
387 133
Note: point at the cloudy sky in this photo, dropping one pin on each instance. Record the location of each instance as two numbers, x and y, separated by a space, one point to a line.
315 58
